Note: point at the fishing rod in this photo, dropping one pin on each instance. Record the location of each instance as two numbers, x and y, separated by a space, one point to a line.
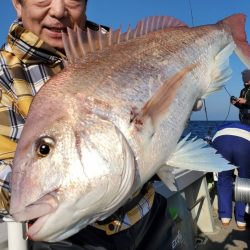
227 91
209 134
191 12
229 108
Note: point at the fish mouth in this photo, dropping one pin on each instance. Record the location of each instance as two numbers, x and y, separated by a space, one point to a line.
35 225
36 214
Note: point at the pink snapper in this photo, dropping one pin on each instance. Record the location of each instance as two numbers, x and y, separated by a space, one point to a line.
101 128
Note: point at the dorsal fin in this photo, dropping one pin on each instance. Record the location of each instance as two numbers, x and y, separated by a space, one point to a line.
79 43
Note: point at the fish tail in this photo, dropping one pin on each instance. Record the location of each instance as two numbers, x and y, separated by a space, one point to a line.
237 25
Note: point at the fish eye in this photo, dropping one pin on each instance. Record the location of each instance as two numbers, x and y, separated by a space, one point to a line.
44 146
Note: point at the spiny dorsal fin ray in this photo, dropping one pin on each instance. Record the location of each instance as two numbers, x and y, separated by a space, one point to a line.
79 43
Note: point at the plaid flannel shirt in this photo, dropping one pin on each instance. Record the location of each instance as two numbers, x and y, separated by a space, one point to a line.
26 63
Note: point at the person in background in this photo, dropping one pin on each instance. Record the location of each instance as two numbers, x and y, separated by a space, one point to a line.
232 141
243 102
236 149
33 53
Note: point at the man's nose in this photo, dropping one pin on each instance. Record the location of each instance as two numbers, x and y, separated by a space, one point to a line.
58 9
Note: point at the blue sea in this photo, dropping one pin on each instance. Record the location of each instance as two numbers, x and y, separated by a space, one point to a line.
203 129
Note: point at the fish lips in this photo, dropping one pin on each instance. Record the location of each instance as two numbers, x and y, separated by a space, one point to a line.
37 213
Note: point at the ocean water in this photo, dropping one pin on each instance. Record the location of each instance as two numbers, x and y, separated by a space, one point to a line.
203 129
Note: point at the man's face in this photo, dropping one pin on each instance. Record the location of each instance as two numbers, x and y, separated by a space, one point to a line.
48 18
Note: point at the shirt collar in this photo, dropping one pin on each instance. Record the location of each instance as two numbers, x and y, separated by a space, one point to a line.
29 48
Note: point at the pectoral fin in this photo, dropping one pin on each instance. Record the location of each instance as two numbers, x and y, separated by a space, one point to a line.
197 155
157 106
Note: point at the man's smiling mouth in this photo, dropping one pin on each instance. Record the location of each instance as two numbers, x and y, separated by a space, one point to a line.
57 30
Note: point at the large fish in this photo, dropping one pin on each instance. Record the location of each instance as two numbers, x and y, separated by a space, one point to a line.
107 123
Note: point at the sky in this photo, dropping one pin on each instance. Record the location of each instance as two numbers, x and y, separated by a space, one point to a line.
116 13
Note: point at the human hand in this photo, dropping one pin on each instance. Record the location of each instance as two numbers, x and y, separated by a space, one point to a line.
233 100
241 101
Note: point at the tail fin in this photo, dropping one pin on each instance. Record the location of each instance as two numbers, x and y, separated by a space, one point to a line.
237 25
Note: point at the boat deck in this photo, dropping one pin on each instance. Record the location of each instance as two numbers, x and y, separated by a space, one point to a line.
229 238
3 237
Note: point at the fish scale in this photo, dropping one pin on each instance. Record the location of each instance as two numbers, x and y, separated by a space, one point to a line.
113 118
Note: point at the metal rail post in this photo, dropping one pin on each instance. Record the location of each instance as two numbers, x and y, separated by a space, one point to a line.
16 237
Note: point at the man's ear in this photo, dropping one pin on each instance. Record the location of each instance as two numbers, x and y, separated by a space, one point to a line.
18 6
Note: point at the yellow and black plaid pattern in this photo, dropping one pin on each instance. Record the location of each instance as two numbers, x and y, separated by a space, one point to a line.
132 216
26 63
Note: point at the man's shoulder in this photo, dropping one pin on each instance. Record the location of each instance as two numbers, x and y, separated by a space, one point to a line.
94 26
7 62
5 52
235 125
7 58
6 48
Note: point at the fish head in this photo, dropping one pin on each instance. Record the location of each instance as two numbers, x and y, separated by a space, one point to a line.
69 173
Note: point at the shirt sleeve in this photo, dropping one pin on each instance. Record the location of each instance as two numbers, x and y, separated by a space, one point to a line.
246 105
248 98
5 175
11 124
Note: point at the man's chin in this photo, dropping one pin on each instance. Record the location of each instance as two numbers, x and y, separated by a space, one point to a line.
55 43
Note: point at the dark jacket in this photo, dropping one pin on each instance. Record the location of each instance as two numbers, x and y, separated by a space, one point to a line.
244 114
